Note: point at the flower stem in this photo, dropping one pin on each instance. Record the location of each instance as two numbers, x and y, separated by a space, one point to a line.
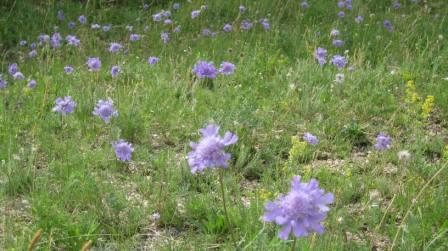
293 247
221 181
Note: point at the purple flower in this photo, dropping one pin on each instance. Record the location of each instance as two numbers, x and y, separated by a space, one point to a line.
246 25
105 110
388 25
242 9
68 69
115 47
13 68
123 150
176 29
351 69
341 4
32 54
341 14
71 25
339 61
94 64
359 19
64 106
209 151
227 28
31 84
82 19
157 17
55 40
349 7
3 83
205 69
134 37
72 40
106 28
265 24
383 142
165 37
227 68
206 32
304 5
168 22
153 60
166 13
145 6
33 46
204 7
18 76
320 54
310 138
44 38
115 70
334 33
176 6
301 211
195 14
22 43
396 5
95 26
60 15
338 43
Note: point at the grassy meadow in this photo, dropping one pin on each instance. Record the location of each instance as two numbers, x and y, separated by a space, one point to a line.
59 173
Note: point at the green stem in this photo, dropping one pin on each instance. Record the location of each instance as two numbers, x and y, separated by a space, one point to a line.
293 247
221 181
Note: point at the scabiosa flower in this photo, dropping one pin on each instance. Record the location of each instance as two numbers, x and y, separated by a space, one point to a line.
94 64
165 37
341 14
227 28
68 69
301 211
22 43
153 60
205 69
166 13
339 61
33 46
206 32
31 84
157 17
60 15
341 4
404 155
55 40
320 54
176 29
107 28
209 151
168 22
72 40
123 150
304 5
71 25
265 24
242 9
95 26
3 83
334 33
246 25
32 54
64 105
13 68
18 76
82 19
134 37
115 70
383 142
359 19
310 138
339 78
176 6
105 110
44 38
145 6
227 68
195 14
388 25
338 43
396 5
351 69
115 47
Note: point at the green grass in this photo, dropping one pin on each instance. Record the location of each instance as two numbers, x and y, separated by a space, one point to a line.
63 176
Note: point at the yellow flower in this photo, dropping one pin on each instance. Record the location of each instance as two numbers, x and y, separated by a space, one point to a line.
264 194
411 93
428 106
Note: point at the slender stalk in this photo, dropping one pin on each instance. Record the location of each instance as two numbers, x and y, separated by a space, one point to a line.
221 181
293 247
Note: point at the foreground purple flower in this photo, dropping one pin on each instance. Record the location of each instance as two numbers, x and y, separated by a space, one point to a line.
105 110
209 151
64 106
157 17
205 69
310 138
153 60
339 61
383 142
301 211
18 76
94 64
227 68
115 70
123 150
13 68
227 28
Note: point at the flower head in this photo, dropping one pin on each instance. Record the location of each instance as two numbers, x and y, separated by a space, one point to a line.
205 69
310 138
165 37
227 68
359 19
55 40
383 142
95 26
60 15
227 28
242 9
388 25
246 25
94 64
123 150
64 106
13 68
32 54
115 70
339 61
22 42
153 60
304 5
209 151
134 37
18 76
3 83
71 25
195 14
107 28
82 19
31 84
176 6
321 54
334 33
339 78
115 47
72 40
341 14
157 17
338 43
301 211
105 110
68 69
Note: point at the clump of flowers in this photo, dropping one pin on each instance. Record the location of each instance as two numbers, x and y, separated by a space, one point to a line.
428 106
105 110
383 142
411 93
209 151
301 211
123 150
64 105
